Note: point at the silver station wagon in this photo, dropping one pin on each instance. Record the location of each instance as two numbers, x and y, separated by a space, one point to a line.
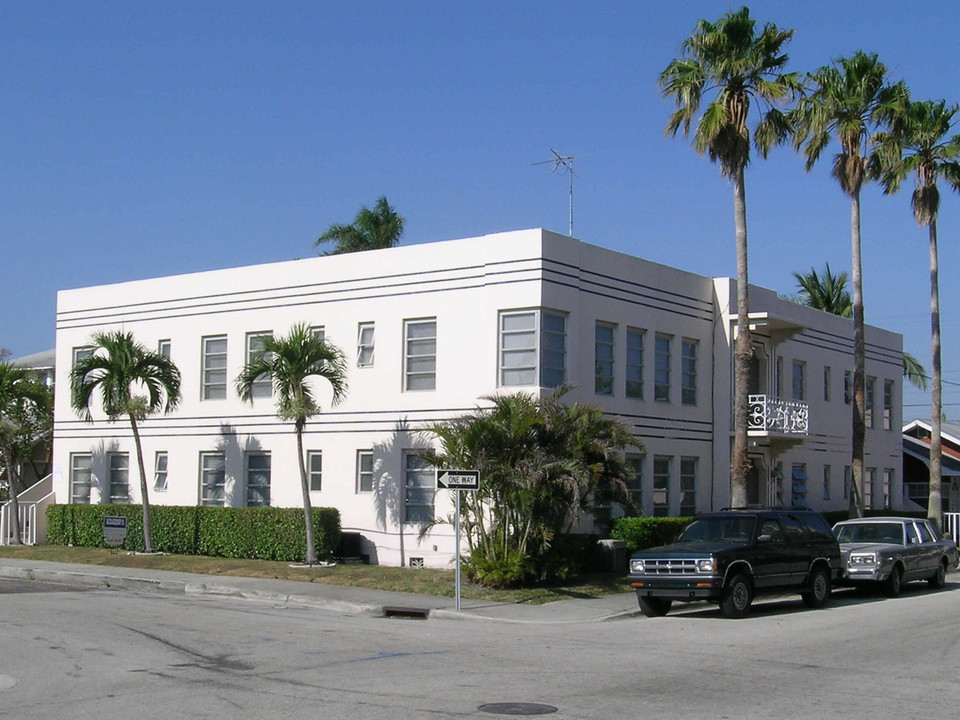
891 551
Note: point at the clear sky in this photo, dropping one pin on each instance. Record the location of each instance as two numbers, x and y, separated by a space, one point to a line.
143 139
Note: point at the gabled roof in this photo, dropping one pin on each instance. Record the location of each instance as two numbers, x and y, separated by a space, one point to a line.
40 360
949 432
920 449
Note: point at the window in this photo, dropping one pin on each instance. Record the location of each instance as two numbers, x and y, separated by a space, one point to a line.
868 477
826 482
798 478
119 477
522 360
365 471
419 483
163 348
661 485
212 480
826 383
778 380
869 401
888 386
888 477
688 372
263 386
847 387
688 486
81 476
420 355
799 373
315 469
160 471
635 481
214 383
81 353
925 534
319 331
847 475
258 479
661 368
634 369
365 344
603 359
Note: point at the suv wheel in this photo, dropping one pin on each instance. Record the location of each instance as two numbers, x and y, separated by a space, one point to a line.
819 589
737 597
654 607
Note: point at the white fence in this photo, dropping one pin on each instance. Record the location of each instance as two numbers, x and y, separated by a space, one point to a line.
28 524
951 525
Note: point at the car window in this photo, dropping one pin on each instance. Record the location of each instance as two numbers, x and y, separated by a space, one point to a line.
912 536
925 534
871 532
792 528
816 527
729 529
772 528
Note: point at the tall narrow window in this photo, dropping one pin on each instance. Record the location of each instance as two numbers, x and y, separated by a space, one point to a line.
420 355
315 470
869 401
634 369
847 480
688 485
826 383
847 387
661 368
364 471
889 475
119 477
365 344
798 477
163 348
81 477
869 476
160 471
258 479
553 349
799 380
661 485
603 359
263 386
419 481
212 480
778 379
826 482
888 386
688 373
214 370
635 481
528 351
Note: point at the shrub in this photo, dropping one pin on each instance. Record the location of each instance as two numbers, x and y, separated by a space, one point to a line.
640 533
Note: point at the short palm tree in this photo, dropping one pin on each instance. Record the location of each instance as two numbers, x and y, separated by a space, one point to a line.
373 229
22 397
848 99
290 362
920 143
121 368
738 66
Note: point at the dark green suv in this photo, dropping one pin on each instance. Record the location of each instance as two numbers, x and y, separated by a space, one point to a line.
729 557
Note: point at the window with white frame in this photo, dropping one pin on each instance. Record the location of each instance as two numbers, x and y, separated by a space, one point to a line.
315 470
661 367
214 368
799 380
553 349
889 475
634 368
419 488
603 359
119 472
688 372
160 471
688 485
662 469
365 344
420 354
868 483
81 478
888 388
826 383
869 401
364 471
81 353
532 345
163 348
798 478
826 482
634 462
262 387
258 479
212 480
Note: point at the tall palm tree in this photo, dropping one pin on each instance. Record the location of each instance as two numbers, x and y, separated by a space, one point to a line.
849 99
290 362
826 292
373 229
920 143
23 399
121 368
735 64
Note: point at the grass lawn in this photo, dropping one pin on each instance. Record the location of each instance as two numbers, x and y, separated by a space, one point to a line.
420 581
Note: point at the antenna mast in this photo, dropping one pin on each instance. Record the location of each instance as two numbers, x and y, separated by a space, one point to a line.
562 164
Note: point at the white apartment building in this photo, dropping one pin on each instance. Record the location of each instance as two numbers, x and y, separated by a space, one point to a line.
431 329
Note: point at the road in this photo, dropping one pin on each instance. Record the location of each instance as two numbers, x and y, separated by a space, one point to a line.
105 653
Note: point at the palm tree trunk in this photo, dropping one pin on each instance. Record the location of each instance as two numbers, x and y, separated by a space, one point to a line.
934 505
859 351
144 500
13 478
740 465
307 507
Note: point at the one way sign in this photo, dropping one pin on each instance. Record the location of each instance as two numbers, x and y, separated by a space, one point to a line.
458 479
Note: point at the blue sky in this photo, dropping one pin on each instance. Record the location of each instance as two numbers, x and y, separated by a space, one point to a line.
147 139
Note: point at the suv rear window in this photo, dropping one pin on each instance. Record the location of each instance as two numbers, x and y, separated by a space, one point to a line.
792 528
816 527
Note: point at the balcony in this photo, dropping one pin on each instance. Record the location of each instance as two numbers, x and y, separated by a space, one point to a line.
775 418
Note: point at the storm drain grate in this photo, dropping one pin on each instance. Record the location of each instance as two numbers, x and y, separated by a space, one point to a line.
517 708
409 613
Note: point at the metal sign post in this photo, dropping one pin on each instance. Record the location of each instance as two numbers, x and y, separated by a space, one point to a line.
458 480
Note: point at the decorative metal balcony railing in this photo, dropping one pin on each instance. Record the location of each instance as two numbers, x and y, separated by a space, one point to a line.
773 415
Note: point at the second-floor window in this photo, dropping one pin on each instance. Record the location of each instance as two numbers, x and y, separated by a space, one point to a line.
365 344
263 386
870 391
688 373
888 386
799 380
420 355
214 368
532 348
603 359
661 368
826 383
634 369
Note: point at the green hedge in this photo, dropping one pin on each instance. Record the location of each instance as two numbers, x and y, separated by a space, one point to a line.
640 533
260 533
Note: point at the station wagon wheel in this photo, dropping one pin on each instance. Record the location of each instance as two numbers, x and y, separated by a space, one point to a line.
894 583
737 597
654 607
939 578
819 588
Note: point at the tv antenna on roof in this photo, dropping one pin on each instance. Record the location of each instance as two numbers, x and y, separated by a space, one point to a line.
562 165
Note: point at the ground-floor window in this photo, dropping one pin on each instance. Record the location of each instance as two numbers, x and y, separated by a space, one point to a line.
258 479
81 475
212 479
661 485
160 471
119 477
688 485
315 470
419 483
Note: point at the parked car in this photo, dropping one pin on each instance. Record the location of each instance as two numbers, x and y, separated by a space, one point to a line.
728 557
891 551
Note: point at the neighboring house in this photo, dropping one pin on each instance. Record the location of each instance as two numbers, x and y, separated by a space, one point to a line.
43 364
916 464
431 330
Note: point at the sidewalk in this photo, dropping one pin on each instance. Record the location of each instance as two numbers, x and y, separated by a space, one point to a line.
333 598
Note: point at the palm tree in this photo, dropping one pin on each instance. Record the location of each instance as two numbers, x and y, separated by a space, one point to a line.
24 403
729 59
919 142
290 362
827 292
120 367
848 98
373 229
